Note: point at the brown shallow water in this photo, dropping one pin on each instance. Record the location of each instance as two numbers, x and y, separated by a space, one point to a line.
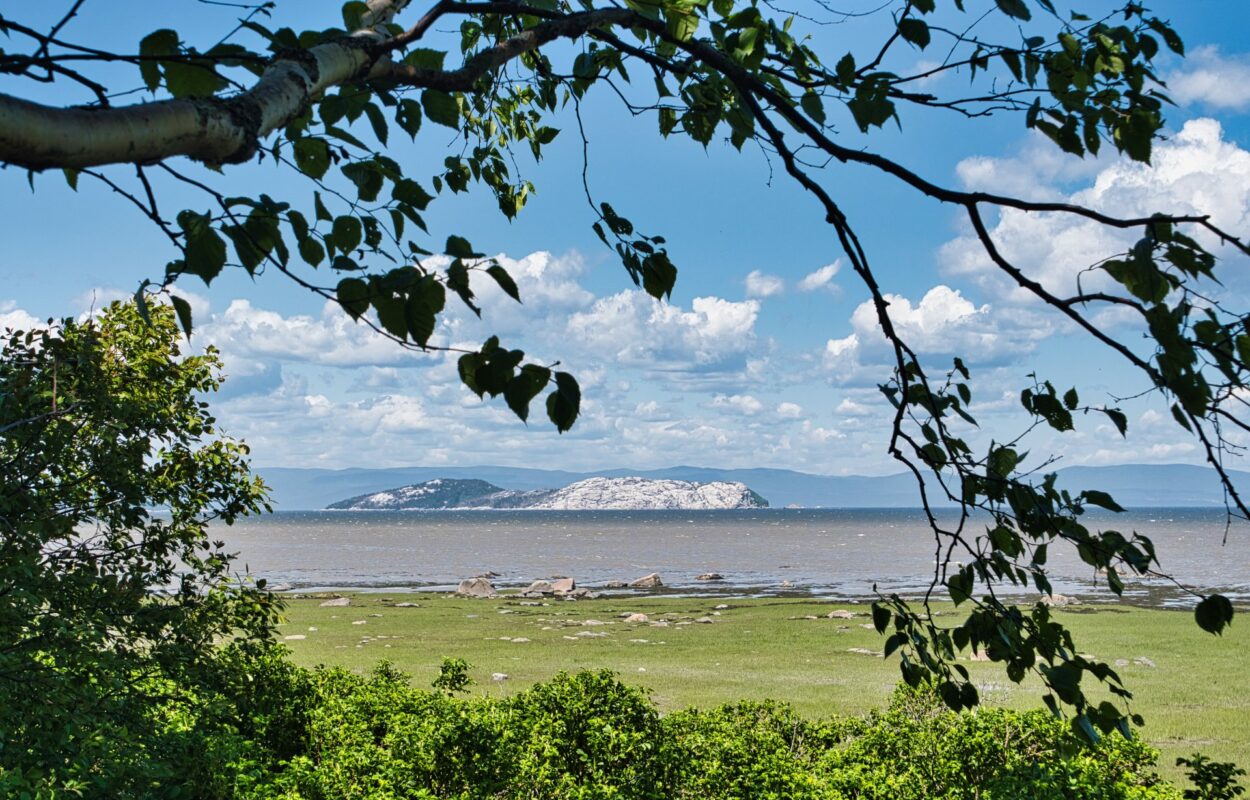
840 552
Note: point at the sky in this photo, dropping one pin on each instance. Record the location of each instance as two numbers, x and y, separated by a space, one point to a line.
766 355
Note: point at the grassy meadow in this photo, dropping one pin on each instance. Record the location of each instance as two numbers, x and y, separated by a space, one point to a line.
1193 688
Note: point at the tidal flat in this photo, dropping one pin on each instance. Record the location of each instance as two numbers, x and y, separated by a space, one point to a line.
1192 688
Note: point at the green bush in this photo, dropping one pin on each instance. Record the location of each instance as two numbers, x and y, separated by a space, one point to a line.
589 736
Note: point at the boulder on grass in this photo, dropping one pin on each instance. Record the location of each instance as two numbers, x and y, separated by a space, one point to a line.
538 589
476 587
563 585
651 581
337 602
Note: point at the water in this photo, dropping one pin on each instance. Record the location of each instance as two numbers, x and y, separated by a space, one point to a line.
824 552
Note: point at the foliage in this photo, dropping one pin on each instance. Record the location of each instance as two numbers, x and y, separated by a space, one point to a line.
1213 780
328 103
112 595
589 736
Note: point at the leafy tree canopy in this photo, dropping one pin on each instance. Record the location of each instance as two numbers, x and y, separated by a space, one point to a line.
326 102
112 595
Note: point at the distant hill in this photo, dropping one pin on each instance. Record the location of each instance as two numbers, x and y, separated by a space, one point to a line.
591 494
1133 485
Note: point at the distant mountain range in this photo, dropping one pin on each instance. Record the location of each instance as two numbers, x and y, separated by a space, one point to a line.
591 494
1133 485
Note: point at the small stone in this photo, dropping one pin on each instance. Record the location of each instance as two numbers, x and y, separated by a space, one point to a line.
295 637
406 605
722 606
710 576
1121 662
868 626
1142 661
642 669
979 655
1059 600
651 581
704 621
660 623
863 651
360 622
637 618
313 629
787 585
639 641
520 640
531 603
337 602
499 676
615 585
506 611
840 613
375 615
594 622
716 613
591 635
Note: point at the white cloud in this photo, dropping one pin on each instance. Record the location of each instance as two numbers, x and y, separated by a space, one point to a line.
789 410
633 328
851 408
14 318
944 322
743 404
1212 79
760 284
332 339
1195 172
821 278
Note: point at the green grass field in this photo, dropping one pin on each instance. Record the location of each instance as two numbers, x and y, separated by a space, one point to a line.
1196 696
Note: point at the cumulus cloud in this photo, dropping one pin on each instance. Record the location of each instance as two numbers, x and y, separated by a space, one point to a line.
632 328
333 339
789 410
1212 79
743 404
942 323
14 318
760 284
1196 172
821 278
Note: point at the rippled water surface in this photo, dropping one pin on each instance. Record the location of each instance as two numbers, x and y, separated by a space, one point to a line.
826 551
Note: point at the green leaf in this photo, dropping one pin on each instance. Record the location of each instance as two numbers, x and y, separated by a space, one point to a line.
1014 8
353 296
205 250
813 106
312 156
192 79
408 115
523 388
1214 613
441 107
915 31
459 247
564 404
1118 419
880 617
183 309
504 280
346 233
377 120
163 42
1101 499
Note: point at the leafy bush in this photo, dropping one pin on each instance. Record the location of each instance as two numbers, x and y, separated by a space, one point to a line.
589 736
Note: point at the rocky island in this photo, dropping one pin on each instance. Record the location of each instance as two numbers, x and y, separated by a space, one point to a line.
592 494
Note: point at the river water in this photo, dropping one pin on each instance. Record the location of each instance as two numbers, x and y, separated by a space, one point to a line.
825 552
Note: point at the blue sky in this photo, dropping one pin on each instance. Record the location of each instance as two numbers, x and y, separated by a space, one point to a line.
764 356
